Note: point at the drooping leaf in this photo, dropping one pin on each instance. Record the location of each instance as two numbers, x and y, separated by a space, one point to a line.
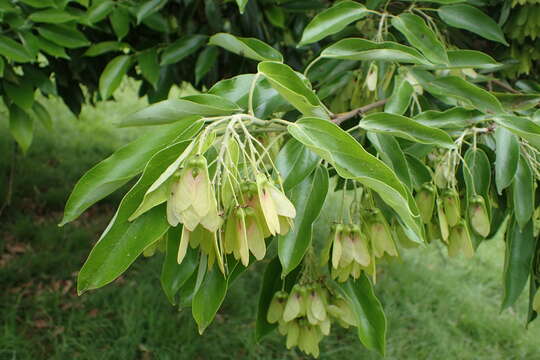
520 246
42 114
105 47
21 94
172 110
149 66
295 162
205 62
521 126
120 21
517 102
148 8
182 48
523 192
390 152
241 5
454 118
406 128
13 50
207 300
99 11
21 127
251 48
128 161
477 172
308 198
292 87
464 59
51 16
420 173
64 35
113 74
51 48
507 158
419 35
353 162
365 50
332 21
401 97
371 321
467 17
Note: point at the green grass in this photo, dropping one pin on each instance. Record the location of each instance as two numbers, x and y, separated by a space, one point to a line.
437 308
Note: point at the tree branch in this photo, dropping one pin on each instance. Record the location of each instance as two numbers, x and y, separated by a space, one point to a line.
341 117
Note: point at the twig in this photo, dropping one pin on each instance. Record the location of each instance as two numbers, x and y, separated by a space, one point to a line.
505 86
341 117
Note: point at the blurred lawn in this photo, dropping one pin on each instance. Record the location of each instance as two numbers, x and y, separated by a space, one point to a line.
437 308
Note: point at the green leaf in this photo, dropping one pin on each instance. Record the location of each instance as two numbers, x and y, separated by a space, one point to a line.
13 50
419 35
51 48
406 128
295 162
182 48
123 241
332 21
460 59
459 89
518 102
42 114
293 88
99 11
365 50
420 173
38 3
477 172
113 74
207 300
308 199
454 118
276 16
105 47
251 48
120 21
523 193
467 17
21 127
520 246
22 94
241 5
507 157
128 161
168 111
51 16
63 35
351 161
390 152
149 66
400 99
174 275
205 62
148 8
368 311
266 100
521 126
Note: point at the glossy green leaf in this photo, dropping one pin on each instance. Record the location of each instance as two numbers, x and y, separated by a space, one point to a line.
523 193
13 50
368 311
295 162
21 127
241 5
454 118
63 35
467 17
51 48
182 48
51 16
352 162
128 161
205 62
520 246
308 199
400 99
147 8
276 16
105 47
173 110
113 74
251 48
99 11
266 100
42 114
38 3
419 35
174 275
123 241
521 126
420 173
507 157
332 21
477 172
517 102
406 128
365 50
120 21
207 300
390 152
460 59
293 88
21 94
149 66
